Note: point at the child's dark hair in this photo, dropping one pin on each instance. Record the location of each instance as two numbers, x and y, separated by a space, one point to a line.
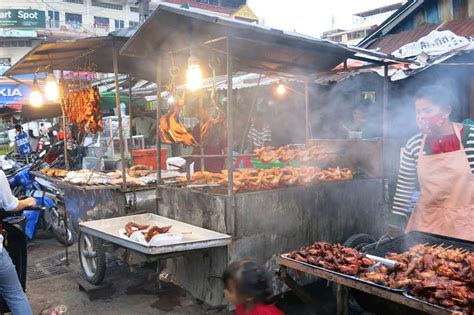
251 280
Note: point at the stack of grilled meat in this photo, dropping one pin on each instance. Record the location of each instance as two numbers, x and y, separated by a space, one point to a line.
287 153
263 179
334 257
442 276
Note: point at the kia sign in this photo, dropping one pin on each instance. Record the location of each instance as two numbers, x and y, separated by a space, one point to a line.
22 18
13 94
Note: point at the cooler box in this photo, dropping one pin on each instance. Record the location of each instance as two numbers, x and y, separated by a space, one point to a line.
148 157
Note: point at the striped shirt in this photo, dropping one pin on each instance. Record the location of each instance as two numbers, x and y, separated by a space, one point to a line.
407 175
260 138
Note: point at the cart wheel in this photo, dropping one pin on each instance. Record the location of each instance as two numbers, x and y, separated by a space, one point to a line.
358 241
92 258
67 237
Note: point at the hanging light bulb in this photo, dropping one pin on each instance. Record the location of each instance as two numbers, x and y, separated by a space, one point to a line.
194 74
51 88
281 89
36 98
171 99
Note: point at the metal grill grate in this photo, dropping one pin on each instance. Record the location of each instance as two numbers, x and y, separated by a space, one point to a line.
47 268
404 242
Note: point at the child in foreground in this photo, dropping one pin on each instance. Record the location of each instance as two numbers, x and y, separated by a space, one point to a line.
248 287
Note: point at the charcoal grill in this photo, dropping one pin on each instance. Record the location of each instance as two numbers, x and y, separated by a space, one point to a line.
404 242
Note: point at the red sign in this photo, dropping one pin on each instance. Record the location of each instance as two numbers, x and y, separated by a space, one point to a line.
79 75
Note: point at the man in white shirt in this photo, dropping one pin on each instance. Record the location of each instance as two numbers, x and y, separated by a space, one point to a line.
10 287
145 126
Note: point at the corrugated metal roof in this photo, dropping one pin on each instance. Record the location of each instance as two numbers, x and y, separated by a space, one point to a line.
204 6
389 43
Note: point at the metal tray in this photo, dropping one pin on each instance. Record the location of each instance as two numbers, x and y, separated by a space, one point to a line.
404 242
194 237
408 295
285 256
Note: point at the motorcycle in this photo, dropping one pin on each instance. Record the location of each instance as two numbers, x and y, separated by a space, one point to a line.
12 227
54 218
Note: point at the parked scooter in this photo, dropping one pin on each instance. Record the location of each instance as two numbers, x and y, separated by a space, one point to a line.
12 228
54 218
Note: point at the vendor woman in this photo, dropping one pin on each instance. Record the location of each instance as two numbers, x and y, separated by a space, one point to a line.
440 160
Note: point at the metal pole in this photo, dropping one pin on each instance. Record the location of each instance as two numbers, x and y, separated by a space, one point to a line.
230 126
201 123
384 135
119 114
158 138
63 109
130 112
306 110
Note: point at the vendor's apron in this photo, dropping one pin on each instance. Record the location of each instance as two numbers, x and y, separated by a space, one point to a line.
446 204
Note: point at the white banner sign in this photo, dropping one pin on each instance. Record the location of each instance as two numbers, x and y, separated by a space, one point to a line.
435 43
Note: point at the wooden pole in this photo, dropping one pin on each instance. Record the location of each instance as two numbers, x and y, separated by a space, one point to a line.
119 114
230 121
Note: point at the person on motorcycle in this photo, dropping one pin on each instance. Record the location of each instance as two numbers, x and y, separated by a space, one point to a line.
10 287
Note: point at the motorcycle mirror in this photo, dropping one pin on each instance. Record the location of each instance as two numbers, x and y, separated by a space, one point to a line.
42 153
47 143
11 144
7 167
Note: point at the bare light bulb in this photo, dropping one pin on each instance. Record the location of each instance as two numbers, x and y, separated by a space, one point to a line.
194 77
281 89
36 99
51 88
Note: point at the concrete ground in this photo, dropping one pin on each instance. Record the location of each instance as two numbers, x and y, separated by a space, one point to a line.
134 293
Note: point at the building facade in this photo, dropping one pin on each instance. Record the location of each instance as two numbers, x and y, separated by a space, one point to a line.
24 24
363 24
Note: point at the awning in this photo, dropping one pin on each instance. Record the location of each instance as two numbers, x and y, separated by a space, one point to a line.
107 100
86 54
174 31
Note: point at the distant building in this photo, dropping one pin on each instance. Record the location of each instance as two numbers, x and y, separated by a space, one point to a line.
363 24
235 9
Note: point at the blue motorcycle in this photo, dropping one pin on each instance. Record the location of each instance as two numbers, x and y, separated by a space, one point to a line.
54 217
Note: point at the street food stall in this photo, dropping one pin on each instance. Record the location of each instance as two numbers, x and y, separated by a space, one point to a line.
264 220
266 211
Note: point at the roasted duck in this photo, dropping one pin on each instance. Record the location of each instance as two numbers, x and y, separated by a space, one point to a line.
286 154
172 131
262 179
83 108
148 231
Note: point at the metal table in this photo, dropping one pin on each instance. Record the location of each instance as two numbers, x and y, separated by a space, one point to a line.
100 236
344 284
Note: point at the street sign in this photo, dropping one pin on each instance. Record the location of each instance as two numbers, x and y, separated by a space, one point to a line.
11 93
22 18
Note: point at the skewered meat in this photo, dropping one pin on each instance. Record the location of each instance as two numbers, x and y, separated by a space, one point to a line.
438 275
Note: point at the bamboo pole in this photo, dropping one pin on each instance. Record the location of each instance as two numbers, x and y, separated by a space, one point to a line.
230 121
119 114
